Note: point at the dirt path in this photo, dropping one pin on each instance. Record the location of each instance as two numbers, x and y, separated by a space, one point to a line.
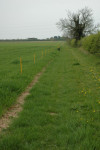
15 109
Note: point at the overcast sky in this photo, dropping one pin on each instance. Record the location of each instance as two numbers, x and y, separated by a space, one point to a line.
37 18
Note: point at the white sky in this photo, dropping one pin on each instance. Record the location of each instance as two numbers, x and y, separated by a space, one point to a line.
38 18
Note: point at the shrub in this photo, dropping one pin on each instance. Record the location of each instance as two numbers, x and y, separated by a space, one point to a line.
92 43
79 43
73 42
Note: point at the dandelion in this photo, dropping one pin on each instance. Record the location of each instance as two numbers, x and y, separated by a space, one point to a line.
77 111
94 111
91 70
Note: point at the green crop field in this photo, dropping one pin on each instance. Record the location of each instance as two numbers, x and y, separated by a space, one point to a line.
12 82
62 110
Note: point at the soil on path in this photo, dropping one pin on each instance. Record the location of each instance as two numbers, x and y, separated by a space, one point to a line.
15 109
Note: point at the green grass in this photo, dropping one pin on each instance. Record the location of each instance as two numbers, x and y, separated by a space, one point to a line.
62 111
12 83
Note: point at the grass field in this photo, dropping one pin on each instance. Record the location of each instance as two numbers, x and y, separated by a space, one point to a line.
12 83
62 111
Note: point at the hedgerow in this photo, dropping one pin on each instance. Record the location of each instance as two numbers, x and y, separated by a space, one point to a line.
73 43
92 43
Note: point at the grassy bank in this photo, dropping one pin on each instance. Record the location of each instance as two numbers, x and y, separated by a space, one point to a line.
62 112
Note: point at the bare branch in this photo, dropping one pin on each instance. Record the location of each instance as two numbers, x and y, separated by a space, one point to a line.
79 24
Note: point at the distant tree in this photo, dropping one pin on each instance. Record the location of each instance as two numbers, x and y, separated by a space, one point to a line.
55 37
78 25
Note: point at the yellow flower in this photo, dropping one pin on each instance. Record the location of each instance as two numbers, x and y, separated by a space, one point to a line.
91 70
93 110
77 111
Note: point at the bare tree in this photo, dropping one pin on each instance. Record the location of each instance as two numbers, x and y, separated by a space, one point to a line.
78 25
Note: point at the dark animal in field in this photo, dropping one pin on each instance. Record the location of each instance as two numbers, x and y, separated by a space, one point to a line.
58 48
